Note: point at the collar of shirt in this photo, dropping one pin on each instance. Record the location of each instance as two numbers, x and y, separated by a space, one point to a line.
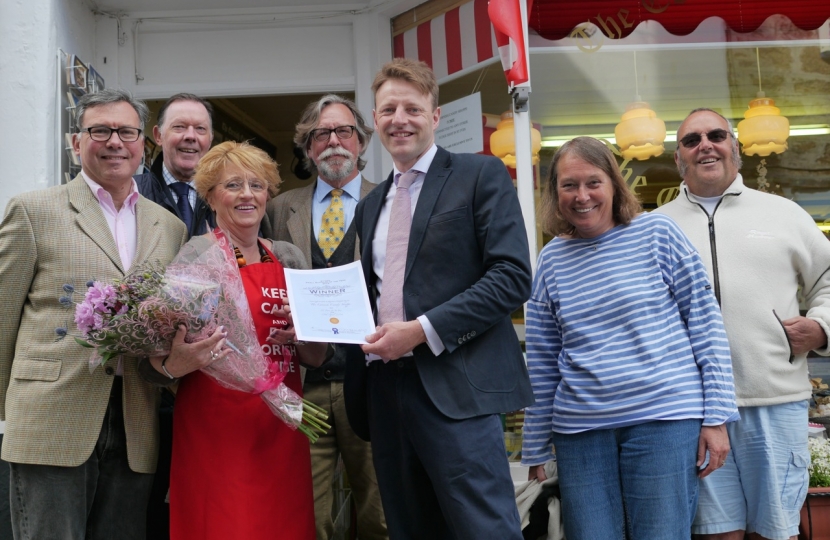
422 165
105 199
170 179
168 176
352 188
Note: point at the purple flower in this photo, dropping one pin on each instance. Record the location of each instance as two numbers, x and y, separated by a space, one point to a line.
84 316
102 297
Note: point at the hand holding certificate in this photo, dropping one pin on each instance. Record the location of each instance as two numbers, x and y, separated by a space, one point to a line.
330 304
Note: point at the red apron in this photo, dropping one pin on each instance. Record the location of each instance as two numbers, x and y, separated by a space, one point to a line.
237 470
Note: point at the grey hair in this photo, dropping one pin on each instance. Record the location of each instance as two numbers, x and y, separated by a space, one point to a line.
736 152
110 96
311 117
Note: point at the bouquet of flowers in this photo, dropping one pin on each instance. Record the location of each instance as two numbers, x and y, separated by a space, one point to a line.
201 288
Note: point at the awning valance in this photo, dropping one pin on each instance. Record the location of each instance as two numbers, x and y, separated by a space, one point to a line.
556 19
462 38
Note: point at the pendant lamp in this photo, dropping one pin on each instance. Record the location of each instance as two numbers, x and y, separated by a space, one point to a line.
763 130
640 134
503 141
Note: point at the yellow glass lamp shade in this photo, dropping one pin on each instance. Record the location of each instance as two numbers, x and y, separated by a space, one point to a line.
640 134
763 130
503 141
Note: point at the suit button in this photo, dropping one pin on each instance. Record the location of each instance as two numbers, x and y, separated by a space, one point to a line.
329 265
460 341
109 370
327 374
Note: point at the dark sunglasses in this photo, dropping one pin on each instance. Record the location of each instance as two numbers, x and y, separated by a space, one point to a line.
691 140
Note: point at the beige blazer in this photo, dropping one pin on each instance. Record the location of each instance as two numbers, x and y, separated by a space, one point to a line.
288 217
53 406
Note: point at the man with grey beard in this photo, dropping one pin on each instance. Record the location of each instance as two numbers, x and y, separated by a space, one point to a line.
318 219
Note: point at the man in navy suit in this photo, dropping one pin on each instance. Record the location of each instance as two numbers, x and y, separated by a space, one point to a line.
428 386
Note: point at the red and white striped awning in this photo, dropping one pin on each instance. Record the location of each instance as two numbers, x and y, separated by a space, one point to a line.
462 38
456 41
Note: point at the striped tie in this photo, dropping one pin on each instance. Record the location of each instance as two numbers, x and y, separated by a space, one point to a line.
333 225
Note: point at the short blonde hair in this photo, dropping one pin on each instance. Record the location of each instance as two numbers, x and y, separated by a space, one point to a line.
245 156
594 152
415 72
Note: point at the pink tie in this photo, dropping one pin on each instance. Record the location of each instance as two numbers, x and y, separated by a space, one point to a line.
397 241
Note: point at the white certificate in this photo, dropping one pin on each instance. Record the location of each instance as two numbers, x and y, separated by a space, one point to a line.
330 304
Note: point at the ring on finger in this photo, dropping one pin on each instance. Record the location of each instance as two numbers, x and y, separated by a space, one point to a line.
213 355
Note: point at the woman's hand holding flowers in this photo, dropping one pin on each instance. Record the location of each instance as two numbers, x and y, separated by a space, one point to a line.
186 358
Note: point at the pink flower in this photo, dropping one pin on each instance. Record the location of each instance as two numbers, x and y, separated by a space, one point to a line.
101 296
84 317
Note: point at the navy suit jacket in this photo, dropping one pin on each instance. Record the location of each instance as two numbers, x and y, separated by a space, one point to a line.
467 269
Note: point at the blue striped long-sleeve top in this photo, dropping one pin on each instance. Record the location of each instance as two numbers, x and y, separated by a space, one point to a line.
623 329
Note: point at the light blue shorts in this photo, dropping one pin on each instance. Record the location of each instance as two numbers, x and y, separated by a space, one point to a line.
763 483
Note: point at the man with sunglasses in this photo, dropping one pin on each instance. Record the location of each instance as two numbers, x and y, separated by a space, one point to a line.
318 219
759 249
82 445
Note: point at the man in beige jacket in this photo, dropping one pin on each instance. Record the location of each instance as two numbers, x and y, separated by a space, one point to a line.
82 445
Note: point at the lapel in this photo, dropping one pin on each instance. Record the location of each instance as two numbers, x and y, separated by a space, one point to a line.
366 187
299 224
371 213
91 220
434 182
149 232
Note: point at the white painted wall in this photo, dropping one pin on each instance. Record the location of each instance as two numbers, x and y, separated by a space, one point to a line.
31 31
161 58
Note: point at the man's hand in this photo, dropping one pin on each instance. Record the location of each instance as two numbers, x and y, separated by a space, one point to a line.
393 340
805 334
716 441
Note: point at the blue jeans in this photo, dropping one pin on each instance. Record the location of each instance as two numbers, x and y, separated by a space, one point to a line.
101 499
640 481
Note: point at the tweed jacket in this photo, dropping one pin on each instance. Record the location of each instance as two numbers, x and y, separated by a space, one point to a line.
51 241
293 208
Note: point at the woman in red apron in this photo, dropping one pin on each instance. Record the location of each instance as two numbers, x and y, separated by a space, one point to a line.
237 470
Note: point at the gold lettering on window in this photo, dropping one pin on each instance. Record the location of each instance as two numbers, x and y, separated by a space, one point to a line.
667 195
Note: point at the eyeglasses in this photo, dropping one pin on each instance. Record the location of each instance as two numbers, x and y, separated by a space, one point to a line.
323 134
103 133
235 186
691 140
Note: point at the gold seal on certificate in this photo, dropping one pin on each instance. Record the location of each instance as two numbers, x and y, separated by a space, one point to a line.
330 304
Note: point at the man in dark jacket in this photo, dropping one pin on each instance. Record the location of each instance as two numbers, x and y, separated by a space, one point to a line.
184 131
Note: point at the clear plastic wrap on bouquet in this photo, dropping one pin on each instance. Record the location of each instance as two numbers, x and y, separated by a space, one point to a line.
245 368
201 288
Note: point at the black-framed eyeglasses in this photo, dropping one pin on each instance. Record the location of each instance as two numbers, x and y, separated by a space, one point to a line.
691 140
103 133
323 134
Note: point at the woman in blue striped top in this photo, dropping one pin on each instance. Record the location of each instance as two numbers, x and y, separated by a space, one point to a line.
627 355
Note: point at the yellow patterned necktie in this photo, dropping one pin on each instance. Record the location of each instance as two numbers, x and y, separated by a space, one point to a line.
333 225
